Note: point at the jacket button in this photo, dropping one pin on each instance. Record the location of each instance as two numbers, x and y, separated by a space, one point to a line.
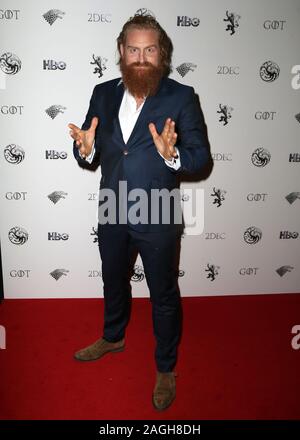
125 152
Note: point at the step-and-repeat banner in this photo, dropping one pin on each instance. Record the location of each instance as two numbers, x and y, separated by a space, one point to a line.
243 60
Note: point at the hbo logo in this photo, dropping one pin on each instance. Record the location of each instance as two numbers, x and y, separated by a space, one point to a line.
186 21
52 154
56 236
288 234
54 65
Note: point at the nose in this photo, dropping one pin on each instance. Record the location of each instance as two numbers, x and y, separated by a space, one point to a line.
141 57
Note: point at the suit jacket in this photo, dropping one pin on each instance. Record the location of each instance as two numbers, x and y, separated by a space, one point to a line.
138 162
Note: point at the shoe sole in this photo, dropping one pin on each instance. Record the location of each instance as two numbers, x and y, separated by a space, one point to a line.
165 407
116 350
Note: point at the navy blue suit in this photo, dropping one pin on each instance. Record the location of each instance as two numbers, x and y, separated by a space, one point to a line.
138 163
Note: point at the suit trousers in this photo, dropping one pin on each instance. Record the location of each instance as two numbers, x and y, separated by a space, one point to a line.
118 245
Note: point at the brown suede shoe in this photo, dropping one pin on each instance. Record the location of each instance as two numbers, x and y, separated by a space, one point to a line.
98 349
164 391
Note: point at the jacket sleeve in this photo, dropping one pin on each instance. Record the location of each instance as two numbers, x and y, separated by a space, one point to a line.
88 119
192 141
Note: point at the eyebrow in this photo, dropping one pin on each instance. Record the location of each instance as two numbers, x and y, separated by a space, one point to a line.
135 47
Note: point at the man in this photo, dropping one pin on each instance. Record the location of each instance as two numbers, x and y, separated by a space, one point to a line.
143 129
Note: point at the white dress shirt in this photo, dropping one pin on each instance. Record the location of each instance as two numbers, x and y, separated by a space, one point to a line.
128 115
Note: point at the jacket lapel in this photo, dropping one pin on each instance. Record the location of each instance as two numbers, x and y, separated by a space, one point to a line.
115 114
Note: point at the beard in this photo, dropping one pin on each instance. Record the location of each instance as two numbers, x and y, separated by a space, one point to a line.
141 79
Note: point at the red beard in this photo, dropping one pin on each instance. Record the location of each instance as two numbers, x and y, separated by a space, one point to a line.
141 79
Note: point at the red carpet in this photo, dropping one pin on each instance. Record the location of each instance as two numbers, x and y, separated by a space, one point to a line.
236 361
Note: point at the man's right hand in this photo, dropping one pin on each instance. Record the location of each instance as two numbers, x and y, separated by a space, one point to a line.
84 138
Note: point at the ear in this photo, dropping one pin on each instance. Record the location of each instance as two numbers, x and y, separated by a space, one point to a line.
122 50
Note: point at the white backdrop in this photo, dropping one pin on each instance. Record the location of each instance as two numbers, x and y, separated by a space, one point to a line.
251 65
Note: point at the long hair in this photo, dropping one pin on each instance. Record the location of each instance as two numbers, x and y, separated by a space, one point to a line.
149 22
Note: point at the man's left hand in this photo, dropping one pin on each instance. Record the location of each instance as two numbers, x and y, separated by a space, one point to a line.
165 141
